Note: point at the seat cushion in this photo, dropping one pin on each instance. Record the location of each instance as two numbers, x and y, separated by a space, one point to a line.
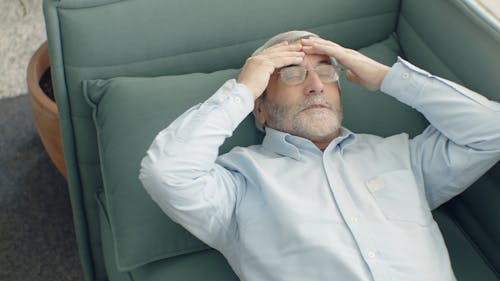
202 265
466 258
130 111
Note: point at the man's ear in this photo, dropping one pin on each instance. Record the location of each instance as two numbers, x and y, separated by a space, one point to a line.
258 111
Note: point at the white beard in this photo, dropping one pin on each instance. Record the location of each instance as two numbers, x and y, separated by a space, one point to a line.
312 124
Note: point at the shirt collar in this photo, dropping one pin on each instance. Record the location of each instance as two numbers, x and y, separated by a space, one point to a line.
289 145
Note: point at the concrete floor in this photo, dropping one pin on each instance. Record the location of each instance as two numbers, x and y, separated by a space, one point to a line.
37 237
22 30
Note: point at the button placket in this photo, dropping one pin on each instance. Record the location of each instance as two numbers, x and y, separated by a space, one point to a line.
352 219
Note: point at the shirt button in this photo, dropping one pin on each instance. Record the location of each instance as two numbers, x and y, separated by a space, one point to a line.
371 254
237 99
406 75
354 219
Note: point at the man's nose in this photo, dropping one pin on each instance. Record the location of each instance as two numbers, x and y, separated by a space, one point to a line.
313 83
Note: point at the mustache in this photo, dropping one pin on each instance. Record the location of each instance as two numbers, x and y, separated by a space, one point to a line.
314 100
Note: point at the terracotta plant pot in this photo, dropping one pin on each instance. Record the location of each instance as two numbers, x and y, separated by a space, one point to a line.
44 109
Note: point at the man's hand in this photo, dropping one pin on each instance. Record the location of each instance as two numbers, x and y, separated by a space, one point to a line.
257 70
360 68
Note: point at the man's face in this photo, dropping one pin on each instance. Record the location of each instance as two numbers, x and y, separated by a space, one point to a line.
310 109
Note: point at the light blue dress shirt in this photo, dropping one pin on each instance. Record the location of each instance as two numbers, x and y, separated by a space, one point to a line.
359 211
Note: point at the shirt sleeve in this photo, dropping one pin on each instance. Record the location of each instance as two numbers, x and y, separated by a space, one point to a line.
179 170
463 139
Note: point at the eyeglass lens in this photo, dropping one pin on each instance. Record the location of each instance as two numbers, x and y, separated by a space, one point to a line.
294 75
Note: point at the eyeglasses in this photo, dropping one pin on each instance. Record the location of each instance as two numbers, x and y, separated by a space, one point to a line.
294 75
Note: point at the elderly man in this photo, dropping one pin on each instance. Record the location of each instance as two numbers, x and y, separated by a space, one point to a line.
316 201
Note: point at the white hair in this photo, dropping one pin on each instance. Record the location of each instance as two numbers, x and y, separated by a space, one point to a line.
289 36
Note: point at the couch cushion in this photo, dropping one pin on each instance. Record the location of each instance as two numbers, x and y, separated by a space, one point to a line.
467 260
129 112
202 265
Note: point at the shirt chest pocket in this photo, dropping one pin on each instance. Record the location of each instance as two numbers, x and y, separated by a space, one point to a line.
399 198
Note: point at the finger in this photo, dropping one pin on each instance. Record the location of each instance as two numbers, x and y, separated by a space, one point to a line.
351 76
283 47
270 48
286 48
346 57
323 49
282 61
322 45
284 54
316 40
284 43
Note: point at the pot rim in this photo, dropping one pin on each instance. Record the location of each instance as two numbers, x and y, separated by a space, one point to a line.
39 63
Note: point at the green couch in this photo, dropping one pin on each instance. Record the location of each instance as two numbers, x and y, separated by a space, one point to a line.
123 70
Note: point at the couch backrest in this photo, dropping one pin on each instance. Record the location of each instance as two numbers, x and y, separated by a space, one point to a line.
453 41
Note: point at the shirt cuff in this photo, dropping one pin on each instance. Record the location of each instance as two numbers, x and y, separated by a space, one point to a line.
235 99
404 81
